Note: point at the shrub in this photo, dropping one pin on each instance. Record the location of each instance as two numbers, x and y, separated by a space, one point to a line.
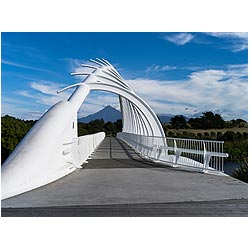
170 134
241 173
199 135
245 135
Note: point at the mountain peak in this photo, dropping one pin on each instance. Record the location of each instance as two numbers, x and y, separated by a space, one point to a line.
108 107
108 113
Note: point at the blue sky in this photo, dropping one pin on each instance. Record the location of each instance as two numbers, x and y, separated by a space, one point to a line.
177 73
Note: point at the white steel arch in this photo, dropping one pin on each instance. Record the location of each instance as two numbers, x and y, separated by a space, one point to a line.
41 157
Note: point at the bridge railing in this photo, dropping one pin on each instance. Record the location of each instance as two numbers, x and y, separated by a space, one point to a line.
78 151
204 155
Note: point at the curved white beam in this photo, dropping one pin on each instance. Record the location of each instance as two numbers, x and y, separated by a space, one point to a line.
89 66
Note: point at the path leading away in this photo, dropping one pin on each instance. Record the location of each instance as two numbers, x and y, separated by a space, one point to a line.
118 182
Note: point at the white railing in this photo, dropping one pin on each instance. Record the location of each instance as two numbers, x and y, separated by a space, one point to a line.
205 155
79 149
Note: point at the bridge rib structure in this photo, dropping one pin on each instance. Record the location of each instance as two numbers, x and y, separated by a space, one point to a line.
52 148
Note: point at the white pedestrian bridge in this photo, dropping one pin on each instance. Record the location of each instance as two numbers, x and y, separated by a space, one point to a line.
52 148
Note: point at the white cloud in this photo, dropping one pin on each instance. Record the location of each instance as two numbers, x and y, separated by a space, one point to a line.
19 65
159 68
31 115
239 35
204 90
19 108
238 40
49 88
180 38
46 92
25 93
40 92
235 41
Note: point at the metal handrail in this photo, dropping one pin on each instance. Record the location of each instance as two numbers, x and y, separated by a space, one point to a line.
202 154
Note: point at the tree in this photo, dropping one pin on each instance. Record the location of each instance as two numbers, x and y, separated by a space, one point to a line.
211 120
178 122
12 132
118 125
207 121
96 125
110 128
195 123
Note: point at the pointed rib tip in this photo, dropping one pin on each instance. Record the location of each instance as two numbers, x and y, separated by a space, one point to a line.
79 74
88 66
106 61
96 61
101 61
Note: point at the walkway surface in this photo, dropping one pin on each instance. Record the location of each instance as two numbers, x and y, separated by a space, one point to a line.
117 182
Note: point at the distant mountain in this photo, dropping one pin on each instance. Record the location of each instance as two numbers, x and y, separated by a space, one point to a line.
111 114
165 118
195 115
107 114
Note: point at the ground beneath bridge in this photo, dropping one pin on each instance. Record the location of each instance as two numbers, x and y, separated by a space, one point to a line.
117 182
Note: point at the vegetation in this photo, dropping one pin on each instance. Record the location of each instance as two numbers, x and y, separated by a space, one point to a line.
12 132
241 173
207 121
110 128
178 122
211 126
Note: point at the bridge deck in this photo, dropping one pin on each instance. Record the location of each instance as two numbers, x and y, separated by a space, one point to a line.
117 182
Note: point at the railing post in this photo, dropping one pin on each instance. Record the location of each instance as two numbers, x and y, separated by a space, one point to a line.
204 157
177 152
155 147
207 158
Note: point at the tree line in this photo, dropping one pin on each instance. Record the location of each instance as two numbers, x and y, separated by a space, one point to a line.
98 125
208 120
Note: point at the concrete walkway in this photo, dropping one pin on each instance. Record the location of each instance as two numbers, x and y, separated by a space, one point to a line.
117 179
